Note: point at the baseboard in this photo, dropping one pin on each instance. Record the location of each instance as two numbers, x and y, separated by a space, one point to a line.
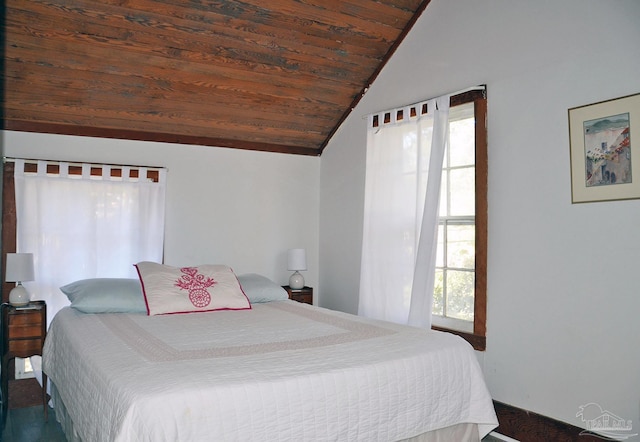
502 437
527 426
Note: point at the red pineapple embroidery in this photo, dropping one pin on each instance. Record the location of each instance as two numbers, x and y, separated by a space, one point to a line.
196 283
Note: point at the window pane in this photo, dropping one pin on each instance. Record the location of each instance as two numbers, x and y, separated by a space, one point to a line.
444 194
463 195
440 247
461 252
460 288
462 136
438 304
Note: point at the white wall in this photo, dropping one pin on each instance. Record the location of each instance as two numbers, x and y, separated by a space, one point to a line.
563 325
223 206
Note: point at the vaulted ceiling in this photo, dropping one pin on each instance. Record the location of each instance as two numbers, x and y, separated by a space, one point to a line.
273 75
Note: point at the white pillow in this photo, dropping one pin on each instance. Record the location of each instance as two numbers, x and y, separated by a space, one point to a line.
259 288
106 295
203 288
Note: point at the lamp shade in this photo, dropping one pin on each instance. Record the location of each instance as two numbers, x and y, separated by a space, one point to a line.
297 259
19 267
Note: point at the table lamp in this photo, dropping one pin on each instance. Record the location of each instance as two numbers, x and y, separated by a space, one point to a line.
297 260
19 268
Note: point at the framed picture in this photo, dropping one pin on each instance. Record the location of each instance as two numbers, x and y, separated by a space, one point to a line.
605 150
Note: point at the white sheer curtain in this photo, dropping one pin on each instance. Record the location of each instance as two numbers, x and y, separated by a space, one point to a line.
79 226
402 192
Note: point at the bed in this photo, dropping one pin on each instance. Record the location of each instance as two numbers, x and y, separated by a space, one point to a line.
276 371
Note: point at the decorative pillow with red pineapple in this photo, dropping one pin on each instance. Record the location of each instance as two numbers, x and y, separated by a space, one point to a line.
203 288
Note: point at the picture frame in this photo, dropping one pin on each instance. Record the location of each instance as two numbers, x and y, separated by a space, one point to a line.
604 142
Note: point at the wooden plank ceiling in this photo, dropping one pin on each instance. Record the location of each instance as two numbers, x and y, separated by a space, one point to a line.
273 75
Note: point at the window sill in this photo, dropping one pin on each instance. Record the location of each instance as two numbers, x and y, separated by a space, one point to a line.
477 342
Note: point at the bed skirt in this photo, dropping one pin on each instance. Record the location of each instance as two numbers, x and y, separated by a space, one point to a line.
460 432
62 416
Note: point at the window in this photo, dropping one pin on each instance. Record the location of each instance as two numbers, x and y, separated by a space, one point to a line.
83 221
406 224
460 290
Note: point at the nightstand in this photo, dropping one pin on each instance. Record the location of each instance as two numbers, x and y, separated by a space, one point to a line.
23 332
305 294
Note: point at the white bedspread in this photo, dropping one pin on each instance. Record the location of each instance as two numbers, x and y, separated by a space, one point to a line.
282 371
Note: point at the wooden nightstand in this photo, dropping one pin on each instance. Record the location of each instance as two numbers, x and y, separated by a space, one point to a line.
23 332
305 294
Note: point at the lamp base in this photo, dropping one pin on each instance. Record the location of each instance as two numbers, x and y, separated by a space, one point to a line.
296 281
19 296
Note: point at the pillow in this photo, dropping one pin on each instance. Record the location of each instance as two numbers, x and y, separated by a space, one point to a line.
106 295
261 289
204 288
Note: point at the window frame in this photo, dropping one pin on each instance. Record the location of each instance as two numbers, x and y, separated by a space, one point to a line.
478 338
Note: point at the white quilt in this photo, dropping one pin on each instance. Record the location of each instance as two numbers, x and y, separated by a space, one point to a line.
282 371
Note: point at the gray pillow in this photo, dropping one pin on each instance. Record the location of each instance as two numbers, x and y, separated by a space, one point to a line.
106 295
259 288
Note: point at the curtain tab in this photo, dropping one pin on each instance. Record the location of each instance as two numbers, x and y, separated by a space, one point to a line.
19 168
64 170
86 171
42 168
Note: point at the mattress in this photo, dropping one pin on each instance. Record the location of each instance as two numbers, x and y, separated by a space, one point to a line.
282 371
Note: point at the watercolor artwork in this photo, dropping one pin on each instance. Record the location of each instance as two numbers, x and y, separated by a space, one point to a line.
607 143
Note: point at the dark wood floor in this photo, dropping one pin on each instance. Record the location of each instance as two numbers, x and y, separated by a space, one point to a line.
28 425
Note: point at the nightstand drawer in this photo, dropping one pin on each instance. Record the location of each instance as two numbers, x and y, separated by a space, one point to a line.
25 331
305 298
22 319
23 348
